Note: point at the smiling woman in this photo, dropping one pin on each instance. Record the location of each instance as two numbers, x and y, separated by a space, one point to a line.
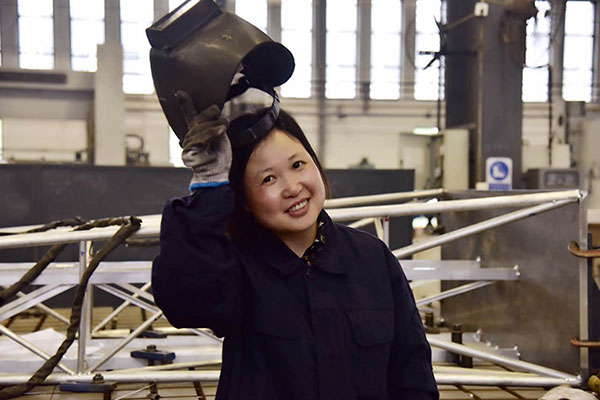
309 309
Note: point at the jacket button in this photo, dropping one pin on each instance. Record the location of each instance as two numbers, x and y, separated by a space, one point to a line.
309 273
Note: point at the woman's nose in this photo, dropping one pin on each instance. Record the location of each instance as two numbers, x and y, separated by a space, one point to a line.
292 188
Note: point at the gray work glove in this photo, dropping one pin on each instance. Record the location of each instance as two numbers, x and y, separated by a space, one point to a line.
206 147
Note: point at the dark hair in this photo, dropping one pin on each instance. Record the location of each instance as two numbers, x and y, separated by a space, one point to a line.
240 218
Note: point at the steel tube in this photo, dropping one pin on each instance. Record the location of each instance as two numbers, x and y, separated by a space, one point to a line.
379 228
118 310
135 290
31 299
442 378
520 200
478 227
151 224
498 359
386 230
453 292
361 223
381 198
120 377
125 341
31 347
136 302
86 308
47 310
172 367
200 332
502 380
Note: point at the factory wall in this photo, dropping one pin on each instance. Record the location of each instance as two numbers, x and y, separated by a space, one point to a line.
381 131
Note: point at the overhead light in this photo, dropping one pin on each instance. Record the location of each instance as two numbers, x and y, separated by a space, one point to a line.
426 131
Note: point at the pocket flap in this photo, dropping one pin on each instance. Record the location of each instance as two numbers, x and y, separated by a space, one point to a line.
372 326
275 320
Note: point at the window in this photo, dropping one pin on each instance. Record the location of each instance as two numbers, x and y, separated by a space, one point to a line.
136 16
385 49
578 51
340 71
174 150
296 35
535 72
87 31
173 4
36 34
427 39
1 141
253 11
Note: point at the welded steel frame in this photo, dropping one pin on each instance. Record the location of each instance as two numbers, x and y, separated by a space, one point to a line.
379 215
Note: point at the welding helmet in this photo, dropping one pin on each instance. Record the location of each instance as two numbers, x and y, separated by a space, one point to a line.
198 48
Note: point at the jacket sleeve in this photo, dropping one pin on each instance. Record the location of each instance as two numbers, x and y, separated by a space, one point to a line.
197 278
410 373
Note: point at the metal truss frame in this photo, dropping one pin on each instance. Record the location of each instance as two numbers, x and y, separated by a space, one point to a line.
117 278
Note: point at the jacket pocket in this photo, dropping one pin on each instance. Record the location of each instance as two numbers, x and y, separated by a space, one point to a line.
275 320
371 327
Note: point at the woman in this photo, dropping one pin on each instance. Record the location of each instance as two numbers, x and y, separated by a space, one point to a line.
309 309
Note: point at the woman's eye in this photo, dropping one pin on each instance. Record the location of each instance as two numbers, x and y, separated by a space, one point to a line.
268 179
298 164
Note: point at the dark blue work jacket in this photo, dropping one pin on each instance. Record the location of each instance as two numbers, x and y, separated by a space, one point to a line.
344 328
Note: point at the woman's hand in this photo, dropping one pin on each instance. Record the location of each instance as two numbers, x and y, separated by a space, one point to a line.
206 147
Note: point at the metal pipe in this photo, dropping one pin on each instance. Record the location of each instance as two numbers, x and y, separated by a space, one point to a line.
501 380
171 367
151 226
379 228
86 308
200 332
521 200
453 292
478 227
119 377
118 310
125 296
361 223
386 230
47 310
498 359
31 299
381 198
135 290
442 378
125 341
31 347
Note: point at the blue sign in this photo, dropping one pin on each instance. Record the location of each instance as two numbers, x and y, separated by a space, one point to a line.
499 170
499 173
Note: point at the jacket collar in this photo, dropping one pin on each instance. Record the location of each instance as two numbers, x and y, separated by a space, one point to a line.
331 258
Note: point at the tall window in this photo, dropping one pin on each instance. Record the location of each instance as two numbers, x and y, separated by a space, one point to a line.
136 16
537 55
578 51
296 35
341 49
385 49
427 39
1 141
36 34
87 31
173 4
253 11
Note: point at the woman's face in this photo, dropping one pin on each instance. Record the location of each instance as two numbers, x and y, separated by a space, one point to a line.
283 187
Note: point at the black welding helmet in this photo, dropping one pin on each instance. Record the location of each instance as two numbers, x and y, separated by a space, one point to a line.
198 48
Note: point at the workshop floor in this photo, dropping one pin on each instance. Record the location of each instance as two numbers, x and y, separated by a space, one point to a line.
132 317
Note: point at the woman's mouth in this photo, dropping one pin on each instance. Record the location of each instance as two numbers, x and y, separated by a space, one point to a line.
297 207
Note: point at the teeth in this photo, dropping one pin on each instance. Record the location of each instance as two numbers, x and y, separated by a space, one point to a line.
298 206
